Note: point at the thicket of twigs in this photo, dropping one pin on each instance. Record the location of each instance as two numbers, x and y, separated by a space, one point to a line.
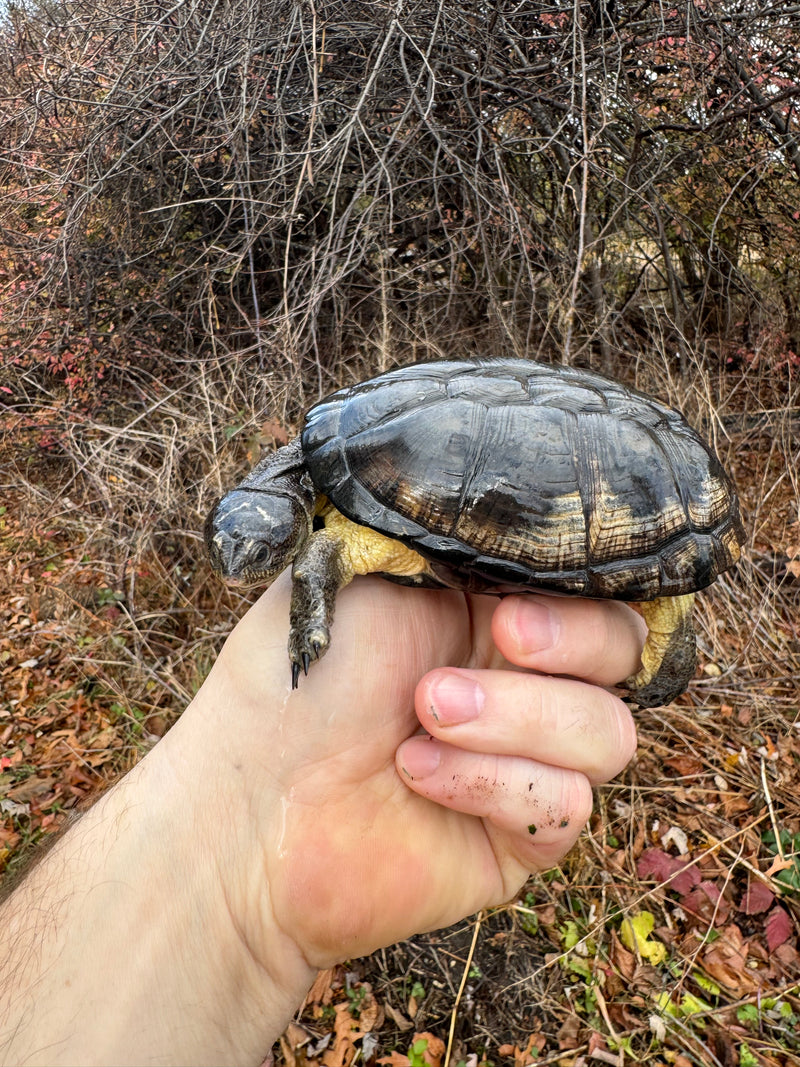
211 213
301 182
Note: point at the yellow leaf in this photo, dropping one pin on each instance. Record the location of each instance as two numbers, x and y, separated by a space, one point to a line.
635 933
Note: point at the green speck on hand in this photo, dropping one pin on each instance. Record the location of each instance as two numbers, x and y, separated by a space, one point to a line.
531 829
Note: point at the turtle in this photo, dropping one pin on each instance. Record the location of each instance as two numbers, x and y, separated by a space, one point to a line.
491 475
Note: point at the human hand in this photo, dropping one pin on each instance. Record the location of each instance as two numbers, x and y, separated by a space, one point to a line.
352 832
272 832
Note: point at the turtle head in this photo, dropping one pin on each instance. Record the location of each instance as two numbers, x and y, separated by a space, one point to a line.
253 534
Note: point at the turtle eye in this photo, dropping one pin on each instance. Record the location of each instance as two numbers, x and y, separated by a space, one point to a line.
258 555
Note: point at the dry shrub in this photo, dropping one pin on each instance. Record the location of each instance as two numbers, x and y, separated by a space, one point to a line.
295 183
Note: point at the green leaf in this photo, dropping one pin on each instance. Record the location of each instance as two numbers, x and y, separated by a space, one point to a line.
579 966
707 984
666 1005
747 1015
570 934
746 1057
416 1055
692 1005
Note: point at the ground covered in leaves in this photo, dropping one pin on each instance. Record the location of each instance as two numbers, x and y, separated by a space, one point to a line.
669 937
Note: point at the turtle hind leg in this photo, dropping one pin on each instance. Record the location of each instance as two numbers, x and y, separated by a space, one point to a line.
669 655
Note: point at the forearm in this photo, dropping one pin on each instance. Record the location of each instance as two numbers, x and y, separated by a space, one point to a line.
120 947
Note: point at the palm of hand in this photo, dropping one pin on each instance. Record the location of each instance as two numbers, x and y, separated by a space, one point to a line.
356 854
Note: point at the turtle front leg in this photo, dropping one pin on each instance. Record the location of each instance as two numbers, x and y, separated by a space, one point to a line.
669 654
328 561
319 572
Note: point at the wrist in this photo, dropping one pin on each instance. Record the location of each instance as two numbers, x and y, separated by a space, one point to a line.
243 976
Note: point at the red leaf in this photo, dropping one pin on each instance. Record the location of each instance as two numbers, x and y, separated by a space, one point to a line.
706 902
757 898
778 928
657 864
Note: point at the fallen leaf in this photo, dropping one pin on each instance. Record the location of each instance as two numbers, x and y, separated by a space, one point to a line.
524 1057
274 431
706 902
434 1048
545 913
297 1035
370 1015
429 1046
687 766
568 1033
778 927
30 788
635 933
293 1038
622 959
397 1017
757 898
678 871
726 961
342 1051
778 865
735 804
321 991
788 957
598 1049
395 1059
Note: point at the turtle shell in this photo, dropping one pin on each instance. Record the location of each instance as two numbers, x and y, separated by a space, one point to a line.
526 474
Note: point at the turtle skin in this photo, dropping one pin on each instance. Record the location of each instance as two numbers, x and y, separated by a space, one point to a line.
509 474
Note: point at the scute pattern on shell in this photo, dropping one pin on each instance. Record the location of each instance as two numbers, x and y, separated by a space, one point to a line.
529 474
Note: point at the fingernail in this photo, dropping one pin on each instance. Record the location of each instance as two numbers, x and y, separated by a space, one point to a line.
421 757
456 698
535 625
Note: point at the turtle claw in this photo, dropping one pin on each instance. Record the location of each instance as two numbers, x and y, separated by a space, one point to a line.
302 657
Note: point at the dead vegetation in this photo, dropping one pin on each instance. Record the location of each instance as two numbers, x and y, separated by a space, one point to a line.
213 215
